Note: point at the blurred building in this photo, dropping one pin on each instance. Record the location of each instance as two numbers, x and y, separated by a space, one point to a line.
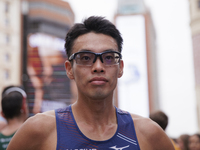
45 24
195 29
10 43
32 49
139 85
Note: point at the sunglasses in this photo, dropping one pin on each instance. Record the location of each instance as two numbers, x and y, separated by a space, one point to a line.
87 58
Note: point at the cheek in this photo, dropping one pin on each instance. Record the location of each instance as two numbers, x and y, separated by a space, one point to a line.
80 73
114 77
115 73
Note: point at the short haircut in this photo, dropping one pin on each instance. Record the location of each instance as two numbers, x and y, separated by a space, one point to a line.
12 100
160 118
92 24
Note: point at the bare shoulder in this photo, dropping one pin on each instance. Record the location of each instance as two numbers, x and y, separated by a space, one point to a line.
40 123
35 132
40 120
150 135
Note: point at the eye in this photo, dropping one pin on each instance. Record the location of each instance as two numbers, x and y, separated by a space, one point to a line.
85 58
109 56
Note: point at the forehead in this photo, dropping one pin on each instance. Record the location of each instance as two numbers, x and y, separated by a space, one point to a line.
194 138
95 42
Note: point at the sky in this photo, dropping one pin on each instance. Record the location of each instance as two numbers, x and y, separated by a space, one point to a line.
175 58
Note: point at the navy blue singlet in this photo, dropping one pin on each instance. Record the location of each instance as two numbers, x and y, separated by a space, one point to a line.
69 137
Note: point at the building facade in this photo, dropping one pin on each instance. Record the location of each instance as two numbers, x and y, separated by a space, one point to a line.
139 84
195 30
10 43
32 34
45 24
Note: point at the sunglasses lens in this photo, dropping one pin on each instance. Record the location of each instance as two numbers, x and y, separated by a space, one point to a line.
88 58
111 58
85 58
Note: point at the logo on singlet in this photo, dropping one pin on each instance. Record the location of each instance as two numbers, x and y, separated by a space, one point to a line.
119 148
82 149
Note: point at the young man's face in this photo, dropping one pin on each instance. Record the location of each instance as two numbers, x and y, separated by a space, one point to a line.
98 80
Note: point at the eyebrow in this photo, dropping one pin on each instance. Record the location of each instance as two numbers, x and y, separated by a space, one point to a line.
86 50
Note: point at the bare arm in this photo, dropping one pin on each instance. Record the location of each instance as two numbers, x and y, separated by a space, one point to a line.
38 132
150 135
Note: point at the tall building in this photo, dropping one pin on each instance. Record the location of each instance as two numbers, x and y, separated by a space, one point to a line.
32 41
10 43
195 30
45 24
139 85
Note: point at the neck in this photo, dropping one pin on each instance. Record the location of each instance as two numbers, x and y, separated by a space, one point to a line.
96 111
96 120
12 125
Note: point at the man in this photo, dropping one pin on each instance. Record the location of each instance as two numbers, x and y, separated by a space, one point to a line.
162 120
92 122
14 110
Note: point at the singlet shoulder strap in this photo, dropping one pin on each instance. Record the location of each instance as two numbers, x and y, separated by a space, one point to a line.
122 112
63 110
126 127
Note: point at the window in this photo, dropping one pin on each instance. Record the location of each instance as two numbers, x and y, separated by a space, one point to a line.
7 39
7 5
6 57
6 22
6 75
199 4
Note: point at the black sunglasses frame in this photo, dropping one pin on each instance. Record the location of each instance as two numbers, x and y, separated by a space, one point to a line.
96 55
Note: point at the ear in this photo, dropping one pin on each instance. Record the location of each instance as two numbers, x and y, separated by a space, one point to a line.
24 109
2 114
121 68
68 68
24 105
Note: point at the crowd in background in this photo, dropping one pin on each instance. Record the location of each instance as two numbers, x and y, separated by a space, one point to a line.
188 142
184 141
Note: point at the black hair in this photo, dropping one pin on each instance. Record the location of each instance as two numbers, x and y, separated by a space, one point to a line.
92 24
160 118
11 102
198 135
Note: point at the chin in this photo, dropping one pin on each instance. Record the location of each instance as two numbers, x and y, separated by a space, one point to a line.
99 95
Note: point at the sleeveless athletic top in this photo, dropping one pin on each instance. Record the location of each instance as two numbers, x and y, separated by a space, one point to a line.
69 137
4 141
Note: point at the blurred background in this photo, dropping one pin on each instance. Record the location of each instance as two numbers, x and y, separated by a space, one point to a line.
161 52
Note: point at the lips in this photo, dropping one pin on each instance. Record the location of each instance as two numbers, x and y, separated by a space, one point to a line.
98 80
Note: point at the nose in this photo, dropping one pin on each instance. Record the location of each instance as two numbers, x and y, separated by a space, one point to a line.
98 65
100 57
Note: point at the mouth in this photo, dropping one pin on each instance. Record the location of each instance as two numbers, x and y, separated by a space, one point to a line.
98 80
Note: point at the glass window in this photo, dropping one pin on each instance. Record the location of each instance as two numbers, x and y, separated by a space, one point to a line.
7 22
6 57
7 38
6 75
7 5
199 4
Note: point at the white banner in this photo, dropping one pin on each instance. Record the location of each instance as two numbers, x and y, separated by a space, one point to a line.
133 85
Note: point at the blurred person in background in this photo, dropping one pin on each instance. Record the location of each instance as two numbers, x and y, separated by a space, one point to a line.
14 110
3 122
194 142
162 120
92 122
183 141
